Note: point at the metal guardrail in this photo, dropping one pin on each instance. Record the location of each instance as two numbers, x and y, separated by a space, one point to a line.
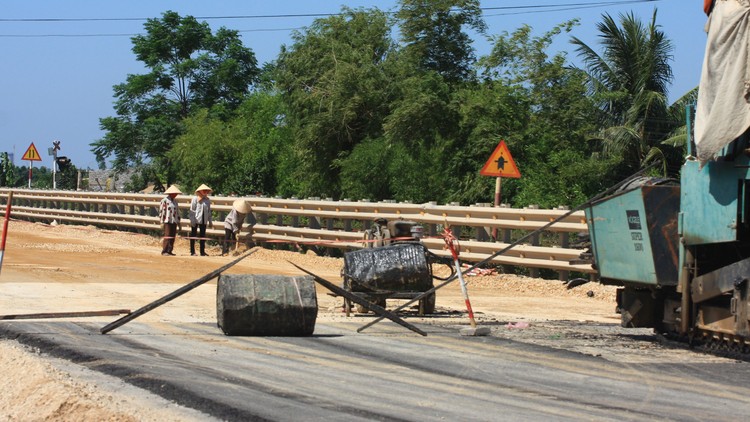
331 224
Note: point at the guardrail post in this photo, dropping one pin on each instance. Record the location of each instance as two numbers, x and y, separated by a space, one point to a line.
564 243
431 229
347 222
483 234
250 229
534 272
456 230
505 236
330 221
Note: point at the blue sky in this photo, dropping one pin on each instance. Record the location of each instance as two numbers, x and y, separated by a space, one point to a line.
55 84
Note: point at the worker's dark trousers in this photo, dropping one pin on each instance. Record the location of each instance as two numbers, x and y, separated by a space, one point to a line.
198 230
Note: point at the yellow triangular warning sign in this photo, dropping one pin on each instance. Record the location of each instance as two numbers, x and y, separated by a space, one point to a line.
31 154
500 163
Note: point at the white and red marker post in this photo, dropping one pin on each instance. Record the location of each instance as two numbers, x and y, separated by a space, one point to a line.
5 228
449 241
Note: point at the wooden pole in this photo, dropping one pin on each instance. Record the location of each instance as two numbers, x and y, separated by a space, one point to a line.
66 314
177 293
498 183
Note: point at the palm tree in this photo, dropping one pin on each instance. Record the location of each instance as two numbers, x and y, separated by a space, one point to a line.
630 81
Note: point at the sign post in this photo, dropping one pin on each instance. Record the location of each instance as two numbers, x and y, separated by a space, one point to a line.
500 164
31 155
53 153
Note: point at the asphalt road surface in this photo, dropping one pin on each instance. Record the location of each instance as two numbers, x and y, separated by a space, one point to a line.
389 373
571 362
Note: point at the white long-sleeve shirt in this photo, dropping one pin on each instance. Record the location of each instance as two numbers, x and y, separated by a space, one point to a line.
234 221
200 210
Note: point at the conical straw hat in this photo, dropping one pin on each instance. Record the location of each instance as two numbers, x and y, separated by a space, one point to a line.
241 206
203 187
172 189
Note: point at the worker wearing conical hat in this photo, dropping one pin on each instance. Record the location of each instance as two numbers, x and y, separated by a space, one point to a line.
233 223
169 217
200 217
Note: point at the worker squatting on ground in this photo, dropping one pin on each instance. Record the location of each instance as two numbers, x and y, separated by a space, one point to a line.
233 223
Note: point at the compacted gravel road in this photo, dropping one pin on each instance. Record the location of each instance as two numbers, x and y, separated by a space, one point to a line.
553 353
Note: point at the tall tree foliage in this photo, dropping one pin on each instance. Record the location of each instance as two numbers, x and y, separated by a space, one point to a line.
189 68
422 132
8 174
629 80
551 149
336 91
346 111
248 154
435 37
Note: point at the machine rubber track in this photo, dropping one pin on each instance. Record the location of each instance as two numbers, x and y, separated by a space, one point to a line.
714 343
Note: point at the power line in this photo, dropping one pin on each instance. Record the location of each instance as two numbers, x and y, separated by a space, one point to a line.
559 8
130 35
583 5
307 15
513 10
315 15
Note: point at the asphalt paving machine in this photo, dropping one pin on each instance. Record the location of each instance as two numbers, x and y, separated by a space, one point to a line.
681 250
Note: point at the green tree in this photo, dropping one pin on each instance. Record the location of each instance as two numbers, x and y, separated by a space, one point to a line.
189 68
8 175
422 109
489 112
247 154
629 80
435 37
551 148
41 177
67 177
333 83
364 172
422 132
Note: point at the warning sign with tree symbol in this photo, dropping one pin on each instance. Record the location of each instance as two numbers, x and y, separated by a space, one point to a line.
500 163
